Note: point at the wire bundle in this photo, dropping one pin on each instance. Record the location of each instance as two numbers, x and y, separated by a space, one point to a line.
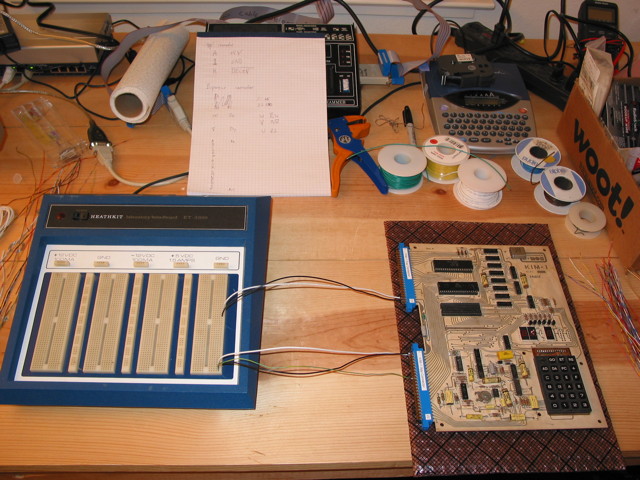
305 370
13 258
619 308
612 295
293 281
6 217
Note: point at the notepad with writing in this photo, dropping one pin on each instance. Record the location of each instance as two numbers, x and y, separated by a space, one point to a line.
259 116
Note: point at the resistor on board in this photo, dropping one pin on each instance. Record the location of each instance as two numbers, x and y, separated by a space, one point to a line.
506 398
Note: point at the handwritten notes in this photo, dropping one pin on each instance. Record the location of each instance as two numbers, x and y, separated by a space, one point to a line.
259 117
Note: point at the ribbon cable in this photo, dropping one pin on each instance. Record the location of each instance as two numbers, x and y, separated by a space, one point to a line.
324 8
390 60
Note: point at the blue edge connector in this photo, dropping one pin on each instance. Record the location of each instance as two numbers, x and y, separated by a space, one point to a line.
407 279
417 353
422 383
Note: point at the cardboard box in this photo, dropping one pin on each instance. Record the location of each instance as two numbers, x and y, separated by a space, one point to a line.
597 159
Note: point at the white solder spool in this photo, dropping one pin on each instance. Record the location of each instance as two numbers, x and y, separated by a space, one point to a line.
585 220
444 156
402 167
532 156
481 183
559 188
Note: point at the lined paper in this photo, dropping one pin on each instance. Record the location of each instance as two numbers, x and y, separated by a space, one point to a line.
260 117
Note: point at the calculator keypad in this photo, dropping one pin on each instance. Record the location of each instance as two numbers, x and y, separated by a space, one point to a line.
562 386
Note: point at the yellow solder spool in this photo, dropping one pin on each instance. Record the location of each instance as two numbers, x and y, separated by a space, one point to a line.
444 156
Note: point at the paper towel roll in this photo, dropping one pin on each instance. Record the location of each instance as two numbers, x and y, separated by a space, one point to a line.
135 95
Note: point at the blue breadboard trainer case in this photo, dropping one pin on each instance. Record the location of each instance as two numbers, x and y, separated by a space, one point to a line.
124 303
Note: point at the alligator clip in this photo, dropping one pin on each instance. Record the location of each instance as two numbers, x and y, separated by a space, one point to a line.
346 133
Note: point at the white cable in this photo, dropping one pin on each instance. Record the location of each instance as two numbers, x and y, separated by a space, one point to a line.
178 113
302 349
104 154
24 78
7 215
309 284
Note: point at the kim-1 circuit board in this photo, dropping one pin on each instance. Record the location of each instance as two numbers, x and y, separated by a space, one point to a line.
501 347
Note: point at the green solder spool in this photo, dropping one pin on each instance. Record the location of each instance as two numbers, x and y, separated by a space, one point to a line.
402 167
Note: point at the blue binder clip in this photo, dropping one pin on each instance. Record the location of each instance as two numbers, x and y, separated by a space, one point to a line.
389 68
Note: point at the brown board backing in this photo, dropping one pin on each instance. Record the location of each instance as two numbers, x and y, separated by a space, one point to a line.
487 452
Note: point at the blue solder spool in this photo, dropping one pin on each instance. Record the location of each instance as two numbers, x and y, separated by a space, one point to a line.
559 189
532 156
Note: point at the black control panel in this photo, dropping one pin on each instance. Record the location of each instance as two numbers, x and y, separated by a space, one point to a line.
343 83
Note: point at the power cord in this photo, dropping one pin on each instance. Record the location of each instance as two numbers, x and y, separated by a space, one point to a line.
303 3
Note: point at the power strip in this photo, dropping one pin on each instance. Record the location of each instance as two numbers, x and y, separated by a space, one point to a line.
542 79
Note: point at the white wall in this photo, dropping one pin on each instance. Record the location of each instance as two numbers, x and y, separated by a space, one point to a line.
378 16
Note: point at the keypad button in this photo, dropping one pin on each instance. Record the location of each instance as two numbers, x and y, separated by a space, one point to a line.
561 382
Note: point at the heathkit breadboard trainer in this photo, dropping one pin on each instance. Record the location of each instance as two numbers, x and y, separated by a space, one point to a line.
501 351
123 303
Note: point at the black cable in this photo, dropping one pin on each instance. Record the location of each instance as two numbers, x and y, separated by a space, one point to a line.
561 46
84 86
304 3
177 80
125 21
511 39
284 373
419 15
363 31
282 11
56 89
160 180
50 8
624 38
257 288
387 95
503 27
